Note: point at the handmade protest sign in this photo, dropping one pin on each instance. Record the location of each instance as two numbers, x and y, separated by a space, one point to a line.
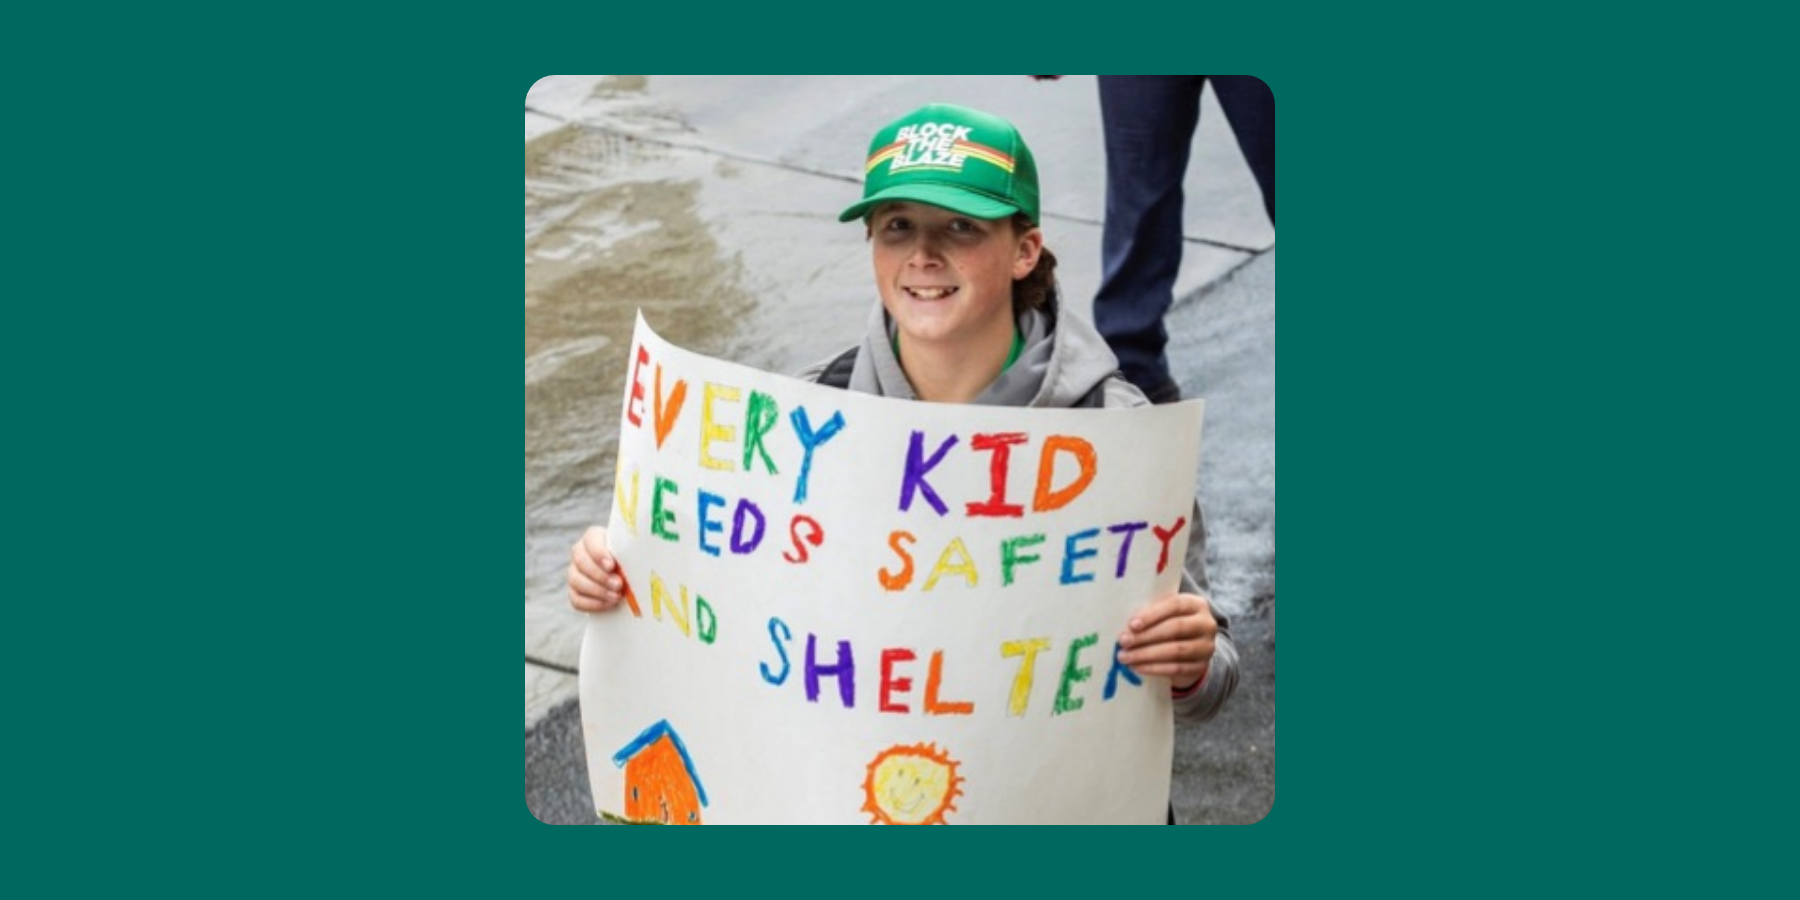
852 609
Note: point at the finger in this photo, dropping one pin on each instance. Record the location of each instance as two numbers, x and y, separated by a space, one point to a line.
1185 676
595 569
587 595
594 541
1182 662
589 605
1167 607
586 604
1194 652
585 585
1182 628
1175 616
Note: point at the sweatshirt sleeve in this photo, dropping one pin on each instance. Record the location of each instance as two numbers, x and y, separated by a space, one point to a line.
1203 701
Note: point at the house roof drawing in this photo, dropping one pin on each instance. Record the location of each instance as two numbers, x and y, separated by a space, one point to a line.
650 736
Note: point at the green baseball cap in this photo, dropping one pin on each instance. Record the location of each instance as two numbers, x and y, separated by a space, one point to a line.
954 157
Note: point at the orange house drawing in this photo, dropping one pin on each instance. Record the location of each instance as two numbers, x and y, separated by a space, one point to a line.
660 782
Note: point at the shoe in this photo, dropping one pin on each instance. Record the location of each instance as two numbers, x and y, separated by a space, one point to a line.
1166 392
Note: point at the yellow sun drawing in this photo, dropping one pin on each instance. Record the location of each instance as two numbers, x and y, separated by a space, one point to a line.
913 785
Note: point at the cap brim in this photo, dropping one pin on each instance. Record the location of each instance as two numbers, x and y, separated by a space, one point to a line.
951 197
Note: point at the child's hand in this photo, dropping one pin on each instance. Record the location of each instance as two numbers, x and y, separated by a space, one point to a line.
1172 637
595 582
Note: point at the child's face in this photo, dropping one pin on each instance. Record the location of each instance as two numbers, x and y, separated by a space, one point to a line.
947 278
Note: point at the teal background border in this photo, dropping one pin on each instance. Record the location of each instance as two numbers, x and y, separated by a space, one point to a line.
269 498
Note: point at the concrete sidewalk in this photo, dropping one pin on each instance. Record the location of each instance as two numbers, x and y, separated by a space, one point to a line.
712 202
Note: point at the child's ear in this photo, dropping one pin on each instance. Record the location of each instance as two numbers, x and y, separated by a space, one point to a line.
1031 246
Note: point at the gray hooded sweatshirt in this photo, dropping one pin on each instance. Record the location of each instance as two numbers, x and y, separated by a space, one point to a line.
1062 362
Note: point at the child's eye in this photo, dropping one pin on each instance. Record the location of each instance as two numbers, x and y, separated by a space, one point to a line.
962 226
897 223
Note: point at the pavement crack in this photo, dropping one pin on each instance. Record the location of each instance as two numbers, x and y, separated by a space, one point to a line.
554 667
725 154
1224 245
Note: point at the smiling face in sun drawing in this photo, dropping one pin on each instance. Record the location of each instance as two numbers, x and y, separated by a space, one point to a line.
911 785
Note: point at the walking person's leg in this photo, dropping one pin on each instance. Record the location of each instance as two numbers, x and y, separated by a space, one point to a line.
1149 123
1249 106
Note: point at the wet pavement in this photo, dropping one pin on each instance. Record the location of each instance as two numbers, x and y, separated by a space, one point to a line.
711 203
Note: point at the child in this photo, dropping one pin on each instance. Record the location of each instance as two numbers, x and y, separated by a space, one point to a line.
968 313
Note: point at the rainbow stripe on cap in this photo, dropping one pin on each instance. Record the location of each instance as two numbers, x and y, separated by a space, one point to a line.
970 149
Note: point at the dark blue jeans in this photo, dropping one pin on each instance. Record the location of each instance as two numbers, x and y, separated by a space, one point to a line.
1149 123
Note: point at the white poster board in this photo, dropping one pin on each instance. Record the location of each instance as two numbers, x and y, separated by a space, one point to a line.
847 609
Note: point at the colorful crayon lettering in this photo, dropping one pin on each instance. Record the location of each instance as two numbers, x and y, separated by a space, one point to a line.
670 410
1072 555
625 495
895 581
709 499
1011 558
895 683
710 430
635 402
811 440
1046 499
844 672
803 530
758 420
1162 562
1128 529
747 515
892 684
787 634
688 615
965 567
912 480
1065 702
745 512
1001 446
660 516
1119 669
1028 650
933 680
